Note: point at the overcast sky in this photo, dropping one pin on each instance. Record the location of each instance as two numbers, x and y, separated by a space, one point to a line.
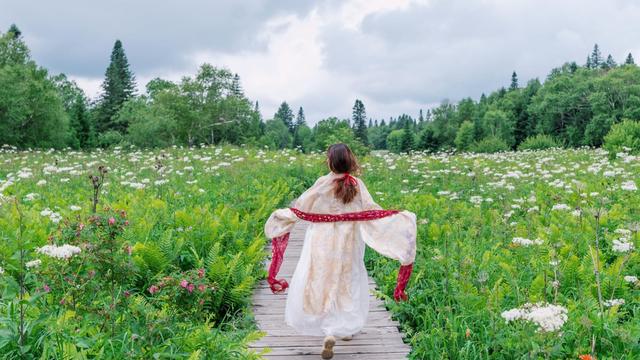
397 56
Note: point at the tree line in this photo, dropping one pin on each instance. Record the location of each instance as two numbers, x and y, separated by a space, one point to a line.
576 105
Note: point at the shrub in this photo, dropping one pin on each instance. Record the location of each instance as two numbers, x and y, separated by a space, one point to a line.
465 135
490 144
623 136
538 142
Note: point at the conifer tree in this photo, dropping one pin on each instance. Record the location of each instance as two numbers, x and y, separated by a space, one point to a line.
629 60
118 86
588 63
596 57
514 81
407 143
285 114
359 124
421 117
300 120
236 88
610 63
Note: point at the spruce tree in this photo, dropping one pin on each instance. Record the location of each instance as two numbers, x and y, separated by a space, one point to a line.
629 60
370 123
407 143
421 117
13 29
118 86
285 114
300 120
588 63
514 81
359 124
610 63
596 57
236 88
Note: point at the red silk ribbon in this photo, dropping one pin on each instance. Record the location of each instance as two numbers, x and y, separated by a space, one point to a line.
349 180
279 245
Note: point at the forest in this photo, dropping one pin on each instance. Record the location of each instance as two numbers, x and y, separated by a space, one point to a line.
576 105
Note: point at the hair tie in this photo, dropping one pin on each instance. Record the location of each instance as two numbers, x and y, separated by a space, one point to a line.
349 180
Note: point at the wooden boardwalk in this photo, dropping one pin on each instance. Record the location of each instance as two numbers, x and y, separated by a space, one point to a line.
380 338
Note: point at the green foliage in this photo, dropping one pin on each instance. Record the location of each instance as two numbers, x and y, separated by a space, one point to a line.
285 114
623 137
538 142
359 122
118 87
394 141
491 144
465 136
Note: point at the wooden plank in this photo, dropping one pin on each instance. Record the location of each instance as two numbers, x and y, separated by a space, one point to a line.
379 339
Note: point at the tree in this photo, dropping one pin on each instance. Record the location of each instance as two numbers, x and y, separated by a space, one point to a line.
420 117
359 124
465 136
285 115
118 86
300 119
32 114
629 60
407 143
427 140
514 81
609 63
236 88
596 57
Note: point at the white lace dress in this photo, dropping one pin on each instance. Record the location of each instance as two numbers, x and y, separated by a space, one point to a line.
329 293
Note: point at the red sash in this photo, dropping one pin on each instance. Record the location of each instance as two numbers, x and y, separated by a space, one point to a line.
279 245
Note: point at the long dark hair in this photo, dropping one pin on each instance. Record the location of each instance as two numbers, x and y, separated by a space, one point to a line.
341 160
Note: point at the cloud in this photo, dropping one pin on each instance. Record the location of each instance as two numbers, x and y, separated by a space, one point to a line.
397 56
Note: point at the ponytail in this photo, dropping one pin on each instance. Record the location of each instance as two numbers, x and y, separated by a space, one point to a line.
343 161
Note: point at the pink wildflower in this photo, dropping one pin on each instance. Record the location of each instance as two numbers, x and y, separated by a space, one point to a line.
112 221
190 288
200 273
153 289
46 288
184 283
202 287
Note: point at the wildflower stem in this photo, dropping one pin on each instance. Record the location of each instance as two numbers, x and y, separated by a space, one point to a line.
596 263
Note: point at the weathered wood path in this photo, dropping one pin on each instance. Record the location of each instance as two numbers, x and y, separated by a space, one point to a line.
380 338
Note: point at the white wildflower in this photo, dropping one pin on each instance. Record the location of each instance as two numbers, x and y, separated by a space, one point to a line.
631 279
46 212
42 183
629 186
614 302
526 242
75 208
33 263
576 212
1 271
31 196
560 207
59 252
548 317
622 245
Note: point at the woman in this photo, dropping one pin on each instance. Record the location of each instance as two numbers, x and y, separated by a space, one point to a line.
329 294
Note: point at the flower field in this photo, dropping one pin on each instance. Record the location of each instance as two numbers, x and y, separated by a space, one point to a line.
528 255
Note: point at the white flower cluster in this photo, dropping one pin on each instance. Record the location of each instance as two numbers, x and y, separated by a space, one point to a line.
629 186
548 317
1 271
560 207
52 215
33 263
614 302
526 242
59 252
622 245
631 279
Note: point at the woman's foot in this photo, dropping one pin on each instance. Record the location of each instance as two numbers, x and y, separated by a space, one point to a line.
347 338
327 350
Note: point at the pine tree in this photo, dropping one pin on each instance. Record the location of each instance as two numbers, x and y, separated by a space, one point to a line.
370 123
596 57
118 86
629 60
80 122
285 114
407 143
300 120
382 123
610 63
13 29
375 123
236 88
514 81
588 63
359 124
421 117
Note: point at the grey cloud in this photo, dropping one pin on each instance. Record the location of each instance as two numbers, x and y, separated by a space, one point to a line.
76 36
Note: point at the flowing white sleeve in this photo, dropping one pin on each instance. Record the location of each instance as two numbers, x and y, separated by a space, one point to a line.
282 221
393 236
367 201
